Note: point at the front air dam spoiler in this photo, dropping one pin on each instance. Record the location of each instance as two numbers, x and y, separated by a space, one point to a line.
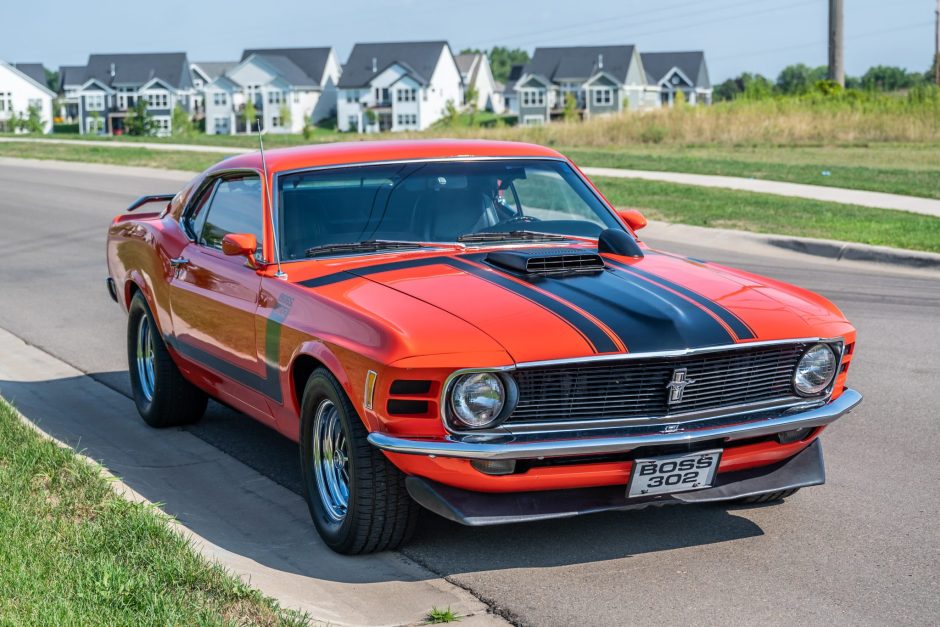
485 508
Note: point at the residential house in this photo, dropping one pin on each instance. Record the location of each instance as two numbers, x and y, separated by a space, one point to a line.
476 74
602 80
112 84
673 72
23 85
397 86
71 79
287 87
510 96
202 73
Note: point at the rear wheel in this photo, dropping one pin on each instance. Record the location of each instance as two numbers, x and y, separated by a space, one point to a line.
769 497
163 397
357 498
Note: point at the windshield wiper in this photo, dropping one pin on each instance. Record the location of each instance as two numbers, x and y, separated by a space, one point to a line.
367 246
511 236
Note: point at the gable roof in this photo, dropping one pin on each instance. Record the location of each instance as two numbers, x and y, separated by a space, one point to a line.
214 69
136 69
691 63
465 61
29 79
581 62
73 75
311 61
33 70
418 57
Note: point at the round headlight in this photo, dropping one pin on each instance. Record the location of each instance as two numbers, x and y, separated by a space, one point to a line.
478 398
815 371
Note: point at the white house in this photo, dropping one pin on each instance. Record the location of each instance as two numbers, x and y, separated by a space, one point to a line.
23 86
397 86
672 72
287 86
476 73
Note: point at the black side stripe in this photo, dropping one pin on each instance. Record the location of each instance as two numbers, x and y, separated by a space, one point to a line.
738 326
593 334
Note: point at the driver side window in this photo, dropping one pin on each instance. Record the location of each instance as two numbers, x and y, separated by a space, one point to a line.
233 207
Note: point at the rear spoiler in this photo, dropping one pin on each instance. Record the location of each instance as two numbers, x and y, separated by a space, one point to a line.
144 200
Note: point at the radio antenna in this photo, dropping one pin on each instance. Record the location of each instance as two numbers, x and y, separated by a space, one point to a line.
266 190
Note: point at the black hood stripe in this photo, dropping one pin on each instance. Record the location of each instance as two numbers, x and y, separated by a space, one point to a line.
736 324
594 335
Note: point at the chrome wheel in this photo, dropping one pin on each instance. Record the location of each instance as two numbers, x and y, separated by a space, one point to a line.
331 460
145 359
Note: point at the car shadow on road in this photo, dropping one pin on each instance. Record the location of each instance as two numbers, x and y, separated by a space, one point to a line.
213 491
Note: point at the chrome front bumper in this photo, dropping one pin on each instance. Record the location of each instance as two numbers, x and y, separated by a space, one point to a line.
533 446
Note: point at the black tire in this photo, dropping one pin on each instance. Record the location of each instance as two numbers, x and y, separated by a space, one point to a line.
172 401
379 514
769 497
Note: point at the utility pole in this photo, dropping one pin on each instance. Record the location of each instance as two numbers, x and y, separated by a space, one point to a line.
936 46
836 62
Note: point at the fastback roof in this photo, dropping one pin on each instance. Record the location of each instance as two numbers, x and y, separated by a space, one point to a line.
353 152
419 57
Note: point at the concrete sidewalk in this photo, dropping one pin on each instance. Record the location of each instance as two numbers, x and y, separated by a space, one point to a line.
256 528
880 200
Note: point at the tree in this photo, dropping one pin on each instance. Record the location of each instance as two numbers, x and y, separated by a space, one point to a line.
571 108
52 79
33 121
139 120
502 59
451 114
250 114
181 122
799 78
678 99
472 95
14 122
890 78
284 113
748 85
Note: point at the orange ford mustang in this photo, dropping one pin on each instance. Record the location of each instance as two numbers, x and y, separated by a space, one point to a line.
470 327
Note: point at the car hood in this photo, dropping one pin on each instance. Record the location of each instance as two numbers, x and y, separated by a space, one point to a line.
659 302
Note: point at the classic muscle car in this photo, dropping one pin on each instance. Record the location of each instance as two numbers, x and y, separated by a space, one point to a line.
469 327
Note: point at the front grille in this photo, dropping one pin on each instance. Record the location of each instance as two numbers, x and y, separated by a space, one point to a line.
638 388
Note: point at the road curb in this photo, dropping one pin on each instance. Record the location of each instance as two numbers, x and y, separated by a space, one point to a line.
832 249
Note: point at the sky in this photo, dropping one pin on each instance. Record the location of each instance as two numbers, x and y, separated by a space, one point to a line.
737 35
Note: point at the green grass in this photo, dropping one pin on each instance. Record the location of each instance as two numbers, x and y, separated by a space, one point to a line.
74 553
910 169
765 213
438 616
143 157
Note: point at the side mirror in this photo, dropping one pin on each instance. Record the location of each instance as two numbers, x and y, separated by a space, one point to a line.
633 218
240 245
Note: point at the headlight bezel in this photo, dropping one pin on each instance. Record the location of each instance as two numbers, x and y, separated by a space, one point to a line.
453 422
835 349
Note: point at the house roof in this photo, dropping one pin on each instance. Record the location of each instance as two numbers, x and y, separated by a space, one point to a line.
691 63
137 69
418 57
580 63
311 61
71 75
515 73
288 70
17 69
465 61
33 70
214 69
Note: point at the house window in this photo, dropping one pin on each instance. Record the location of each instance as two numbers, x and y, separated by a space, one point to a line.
93 126
533 120
221 125
533 98
603 96
407 95
275 121
408 119
353 121
381 95
158 101
35 103
94 102
162 125
296 97
275 97
6 101
352 96
219 99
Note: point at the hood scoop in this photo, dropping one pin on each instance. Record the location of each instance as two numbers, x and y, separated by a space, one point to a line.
543 262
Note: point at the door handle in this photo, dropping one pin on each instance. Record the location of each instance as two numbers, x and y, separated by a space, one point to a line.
179 261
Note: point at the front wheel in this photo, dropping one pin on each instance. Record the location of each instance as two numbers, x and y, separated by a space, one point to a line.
357 498
163 397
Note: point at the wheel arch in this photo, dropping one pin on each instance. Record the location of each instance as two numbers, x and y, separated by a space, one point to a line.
309 357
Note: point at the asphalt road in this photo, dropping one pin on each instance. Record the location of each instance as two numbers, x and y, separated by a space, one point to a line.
863 549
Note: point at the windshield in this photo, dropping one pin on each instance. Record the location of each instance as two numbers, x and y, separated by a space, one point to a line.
436 202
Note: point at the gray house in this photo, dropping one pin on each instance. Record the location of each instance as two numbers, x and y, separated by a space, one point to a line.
673 72
601 79
111 84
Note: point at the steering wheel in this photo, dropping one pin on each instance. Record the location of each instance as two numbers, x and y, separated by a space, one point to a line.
518 220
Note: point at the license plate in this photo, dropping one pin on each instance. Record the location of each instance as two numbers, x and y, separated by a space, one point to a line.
673 473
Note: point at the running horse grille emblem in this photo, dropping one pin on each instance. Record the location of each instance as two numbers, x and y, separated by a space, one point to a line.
677 385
